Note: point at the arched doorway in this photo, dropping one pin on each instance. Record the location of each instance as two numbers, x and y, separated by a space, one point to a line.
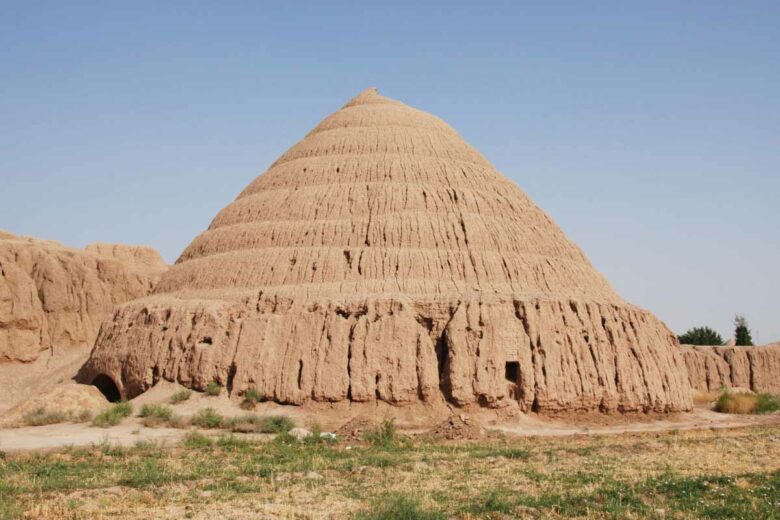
107 387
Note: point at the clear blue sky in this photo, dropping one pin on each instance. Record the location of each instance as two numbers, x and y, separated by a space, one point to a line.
650 131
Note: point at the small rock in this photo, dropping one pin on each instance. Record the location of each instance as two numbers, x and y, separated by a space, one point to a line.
300 433
328 436
420 465
206 493
313 475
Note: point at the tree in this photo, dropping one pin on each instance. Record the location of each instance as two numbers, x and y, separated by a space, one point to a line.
701 336
742 332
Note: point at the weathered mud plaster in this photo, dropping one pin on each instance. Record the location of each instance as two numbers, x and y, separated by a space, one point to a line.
571 355
711 368
55 297
383 258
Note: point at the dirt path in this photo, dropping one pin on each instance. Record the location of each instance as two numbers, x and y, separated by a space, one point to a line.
132 431
528 426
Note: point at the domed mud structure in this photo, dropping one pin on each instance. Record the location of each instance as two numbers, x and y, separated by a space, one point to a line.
383 258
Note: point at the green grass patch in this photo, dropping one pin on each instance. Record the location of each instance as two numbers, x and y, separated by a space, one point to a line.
399 506
196 440
113 415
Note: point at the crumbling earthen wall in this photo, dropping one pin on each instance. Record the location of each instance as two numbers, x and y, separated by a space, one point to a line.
570 355
52 296
711 368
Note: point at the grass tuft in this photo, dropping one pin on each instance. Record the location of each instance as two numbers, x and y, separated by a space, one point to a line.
113 415
213 389
181 396
251 398
155 415
41 417
255 424
195 440
384 436
207 418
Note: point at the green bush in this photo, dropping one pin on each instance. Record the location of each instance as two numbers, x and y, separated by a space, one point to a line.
767 403
113 415
701 336
213 389
180 396
207 418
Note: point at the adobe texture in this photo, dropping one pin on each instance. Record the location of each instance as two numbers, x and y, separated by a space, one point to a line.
55 297
384 258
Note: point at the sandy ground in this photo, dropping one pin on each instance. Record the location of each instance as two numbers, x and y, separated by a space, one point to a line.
131 431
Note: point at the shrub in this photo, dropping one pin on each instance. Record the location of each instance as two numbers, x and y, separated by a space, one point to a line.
41 416
277 424
729 402
385 436
196 440
767 403
180 396
207 418
213 389
740 403
701 336
113 415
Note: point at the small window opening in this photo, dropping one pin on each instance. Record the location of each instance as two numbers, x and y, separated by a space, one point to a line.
511 371
107 387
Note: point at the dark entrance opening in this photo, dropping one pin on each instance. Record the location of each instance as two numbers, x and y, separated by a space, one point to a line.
511 371
107 387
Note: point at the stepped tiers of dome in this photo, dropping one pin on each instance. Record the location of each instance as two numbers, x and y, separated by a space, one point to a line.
383 258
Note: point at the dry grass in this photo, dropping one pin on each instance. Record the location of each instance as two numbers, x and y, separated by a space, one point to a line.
744 403
694 474
705 398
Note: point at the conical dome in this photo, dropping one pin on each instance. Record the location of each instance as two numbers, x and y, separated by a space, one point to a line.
382 257
382 199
